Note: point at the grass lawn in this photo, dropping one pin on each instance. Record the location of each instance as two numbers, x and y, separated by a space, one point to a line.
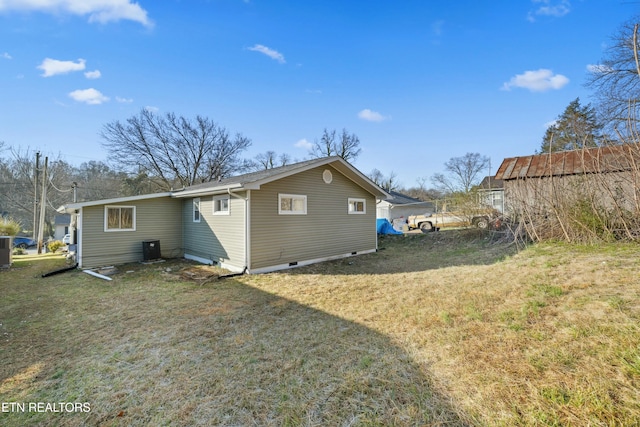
444 328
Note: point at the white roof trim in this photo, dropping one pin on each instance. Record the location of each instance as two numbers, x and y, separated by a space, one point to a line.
206 191
70 207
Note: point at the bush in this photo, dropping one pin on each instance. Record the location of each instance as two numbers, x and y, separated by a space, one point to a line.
9 227
55 245
19 251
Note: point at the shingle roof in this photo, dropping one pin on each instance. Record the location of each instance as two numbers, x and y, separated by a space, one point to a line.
401 199
63 219
491 183
253 180
252 176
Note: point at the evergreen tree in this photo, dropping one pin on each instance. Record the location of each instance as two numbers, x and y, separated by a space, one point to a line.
576 128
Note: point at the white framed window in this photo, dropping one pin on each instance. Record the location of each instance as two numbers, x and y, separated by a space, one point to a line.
196 210
221 205
357 206
292 204
119 218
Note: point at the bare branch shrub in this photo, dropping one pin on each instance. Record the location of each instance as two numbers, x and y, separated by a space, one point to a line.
595 199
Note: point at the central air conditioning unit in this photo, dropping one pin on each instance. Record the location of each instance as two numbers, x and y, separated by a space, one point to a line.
150 250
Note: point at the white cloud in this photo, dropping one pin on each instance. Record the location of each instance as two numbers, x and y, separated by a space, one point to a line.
537 81
102 11
124 100
273 54
371 116
51 67
96 74
88 96
6 56
152 108
303 143
555 8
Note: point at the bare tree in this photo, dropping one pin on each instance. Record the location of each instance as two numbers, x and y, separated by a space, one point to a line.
463 173
347 146
386 182
179 151
17 189
96 180
421 191
270 160
615 80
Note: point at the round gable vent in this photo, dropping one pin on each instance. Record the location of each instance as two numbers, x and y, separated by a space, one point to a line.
327 176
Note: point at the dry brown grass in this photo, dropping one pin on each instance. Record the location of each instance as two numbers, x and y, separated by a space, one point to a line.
549 336
438 329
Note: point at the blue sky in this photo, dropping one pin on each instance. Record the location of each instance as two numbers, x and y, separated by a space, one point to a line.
419 81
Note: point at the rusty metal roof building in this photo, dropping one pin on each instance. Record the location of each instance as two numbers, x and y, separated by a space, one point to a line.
612 158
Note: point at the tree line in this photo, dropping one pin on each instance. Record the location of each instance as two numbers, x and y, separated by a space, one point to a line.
149 153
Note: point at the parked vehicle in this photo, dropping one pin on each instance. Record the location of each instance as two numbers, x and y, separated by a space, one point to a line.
66 239
482 219
23 242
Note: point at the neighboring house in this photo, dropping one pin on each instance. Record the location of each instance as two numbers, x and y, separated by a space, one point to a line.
400 205
607 176
278 218
61 223
491 193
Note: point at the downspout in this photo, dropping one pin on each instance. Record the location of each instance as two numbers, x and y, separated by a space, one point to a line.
247 231
79 228
246 227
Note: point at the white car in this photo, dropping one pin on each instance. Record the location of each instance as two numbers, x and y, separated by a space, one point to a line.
66 239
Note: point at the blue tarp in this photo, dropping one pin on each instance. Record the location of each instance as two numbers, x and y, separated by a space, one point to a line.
383 226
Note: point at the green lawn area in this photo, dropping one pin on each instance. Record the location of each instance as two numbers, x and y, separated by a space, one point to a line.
447 328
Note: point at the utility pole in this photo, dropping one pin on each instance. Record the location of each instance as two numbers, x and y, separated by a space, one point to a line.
75 191
35 197
43 204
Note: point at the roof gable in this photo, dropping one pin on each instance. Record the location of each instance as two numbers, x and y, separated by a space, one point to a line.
254 180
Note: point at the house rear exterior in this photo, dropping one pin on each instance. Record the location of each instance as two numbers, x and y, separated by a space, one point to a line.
264 221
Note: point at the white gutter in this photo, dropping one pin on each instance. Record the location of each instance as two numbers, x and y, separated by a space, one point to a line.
69 208
206 191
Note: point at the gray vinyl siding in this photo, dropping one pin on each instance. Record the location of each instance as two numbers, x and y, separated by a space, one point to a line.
156 219
219 238
326 230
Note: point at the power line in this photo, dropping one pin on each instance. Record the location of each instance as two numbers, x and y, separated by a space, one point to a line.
59 190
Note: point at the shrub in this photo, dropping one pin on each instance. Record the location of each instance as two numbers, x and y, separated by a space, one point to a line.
9 227
19 251
55 245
